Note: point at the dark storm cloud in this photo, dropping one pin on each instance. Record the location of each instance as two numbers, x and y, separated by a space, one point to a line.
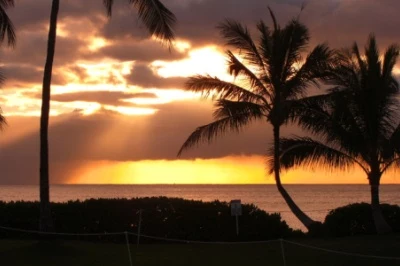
354 20
141 50
124 24
339 22
141 75
23 73
197 19
17 75
35 14
31 50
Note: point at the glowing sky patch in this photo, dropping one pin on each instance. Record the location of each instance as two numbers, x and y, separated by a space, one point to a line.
97 43
207 60
96 54
107 71
227 170
131 110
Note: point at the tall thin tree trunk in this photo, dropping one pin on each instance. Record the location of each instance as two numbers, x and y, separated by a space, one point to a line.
382 227
304 218
45 220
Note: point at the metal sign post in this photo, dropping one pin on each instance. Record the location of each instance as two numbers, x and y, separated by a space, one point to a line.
236 210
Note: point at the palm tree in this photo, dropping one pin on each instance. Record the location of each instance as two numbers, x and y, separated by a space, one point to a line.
271 77
7 31
357 123
157 19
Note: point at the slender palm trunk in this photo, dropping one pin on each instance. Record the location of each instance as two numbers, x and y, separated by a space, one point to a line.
45 221
304 219
382 227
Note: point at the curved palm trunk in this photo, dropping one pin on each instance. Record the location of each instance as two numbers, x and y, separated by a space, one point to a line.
382 227
45 220
304 219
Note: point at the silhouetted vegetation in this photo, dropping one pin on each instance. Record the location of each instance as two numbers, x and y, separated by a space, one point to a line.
163 217
7 32
282 76
7 29
356 124
356 219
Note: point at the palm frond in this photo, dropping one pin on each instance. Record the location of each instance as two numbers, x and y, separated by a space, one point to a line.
236 68
296 38
238 36
395 162
108 4
394 140
330 119
345 71
208 85
3 121
372 58
2 78
286 47
7 3
274 21
265 46
7 29
308 152
232 116
390 59
158 19
226 108
389 148
360 62
317 67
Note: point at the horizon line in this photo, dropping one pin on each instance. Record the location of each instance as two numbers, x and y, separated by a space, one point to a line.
191 184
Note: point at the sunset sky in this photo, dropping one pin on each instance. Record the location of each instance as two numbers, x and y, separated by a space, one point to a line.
118 111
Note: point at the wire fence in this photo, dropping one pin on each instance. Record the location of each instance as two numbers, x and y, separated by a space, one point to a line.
276 252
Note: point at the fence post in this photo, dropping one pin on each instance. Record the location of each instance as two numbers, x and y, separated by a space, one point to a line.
129 249
283 252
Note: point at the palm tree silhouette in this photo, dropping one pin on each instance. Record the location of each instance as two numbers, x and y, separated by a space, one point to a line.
157 19
357 123
7 31
274 75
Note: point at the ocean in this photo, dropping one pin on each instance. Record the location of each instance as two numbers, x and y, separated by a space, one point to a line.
315 200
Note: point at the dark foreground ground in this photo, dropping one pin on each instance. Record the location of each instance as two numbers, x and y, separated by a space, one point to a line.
76 253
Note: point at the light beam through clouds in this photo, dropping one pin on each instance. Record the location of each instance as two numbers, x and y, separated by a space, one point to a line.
118 105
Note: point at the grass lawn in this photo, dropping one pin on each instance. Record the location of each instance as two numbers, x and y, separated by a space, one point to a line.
71 253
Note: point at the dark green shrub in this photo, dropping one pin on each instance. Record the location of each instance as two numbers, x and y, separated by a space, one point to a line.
356 219
163 217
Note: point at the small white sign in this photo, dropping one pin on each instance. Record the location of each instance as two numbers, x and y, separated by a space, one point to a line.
236 208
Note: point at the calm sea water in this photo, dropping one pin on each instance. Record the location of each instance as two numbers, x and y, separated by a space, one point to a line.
315 200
